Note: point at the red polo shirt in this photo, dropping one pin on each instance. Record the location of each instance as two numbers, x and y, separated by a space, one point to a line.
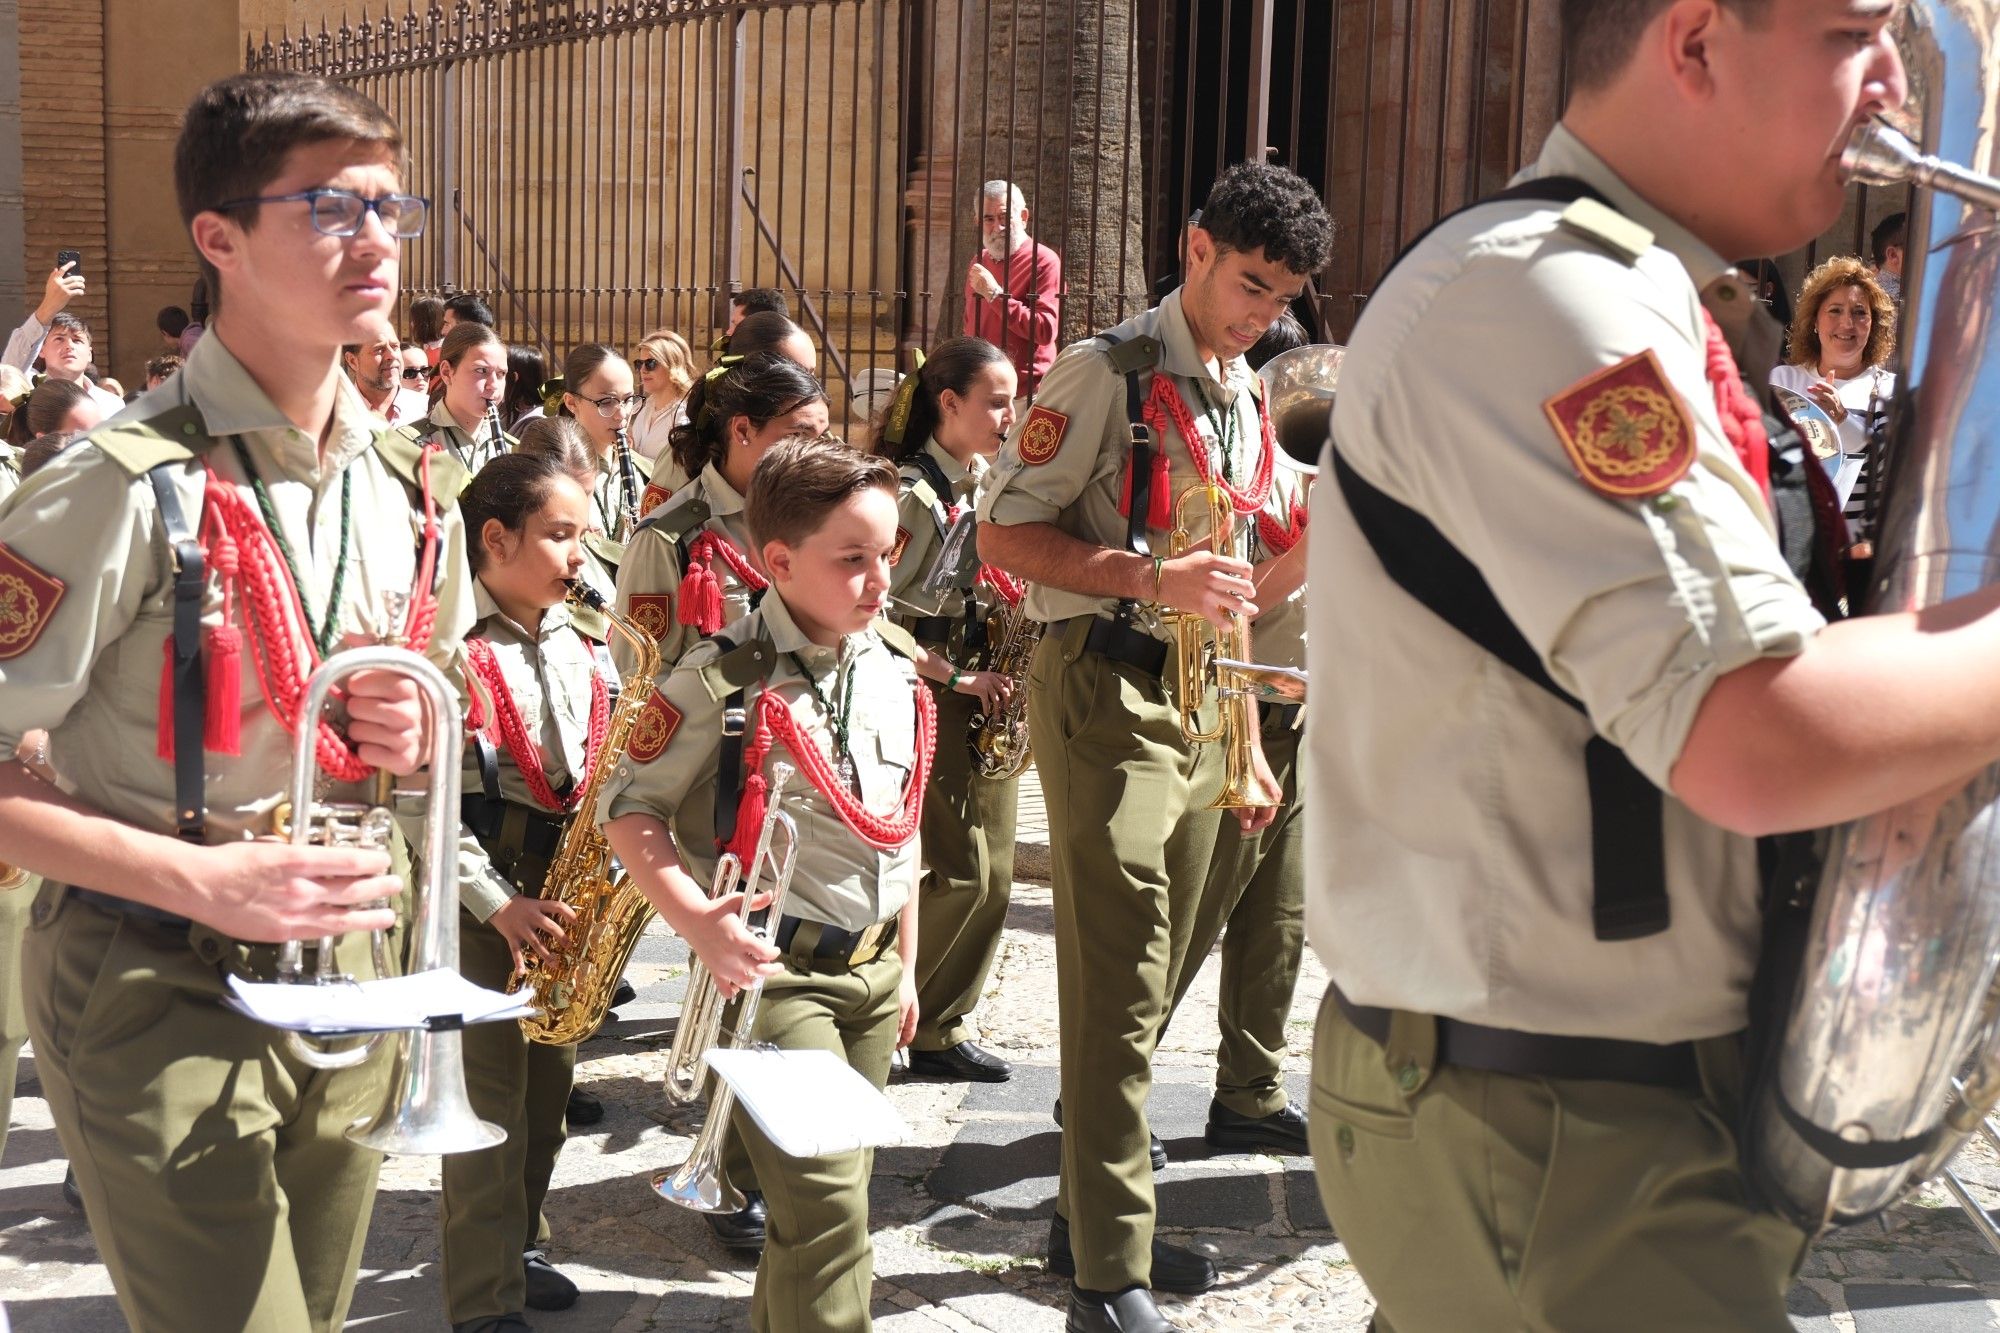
1023 319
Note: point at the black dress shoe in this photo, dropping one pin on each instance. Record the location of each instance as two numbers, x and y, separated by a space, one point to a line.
623 994
71 1194
1183 1272
583 1109
1155 1149
494 1323
1128 1311
547 1288
742 1229
1282 1132
967 1062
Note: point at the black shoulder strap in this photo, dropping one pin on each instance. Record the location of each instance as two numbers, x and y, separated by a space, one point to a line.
189 684
729 763
1140 463
1627 844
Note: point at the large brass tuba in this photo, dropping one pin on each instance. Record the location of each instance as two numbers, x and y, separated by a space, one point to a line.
428 1110
1890 1055
573 994
698 1182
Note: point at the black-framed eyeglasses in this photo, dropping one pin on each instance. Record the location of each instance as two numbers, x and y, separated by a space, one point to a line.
611 406
341 212
645 363
416 373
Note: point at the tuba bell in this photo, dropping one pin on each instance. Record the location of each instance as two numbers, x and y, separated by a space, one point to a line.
1298 393
428 1111
1889 1055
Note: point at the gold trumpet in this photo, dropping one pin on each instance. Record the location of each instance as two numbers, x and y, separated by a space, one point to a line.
1216 663
698 1182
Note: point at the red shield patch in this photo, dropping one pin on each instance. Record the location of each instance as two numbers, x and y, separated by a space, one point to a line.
1625 429
653 612
653 497
896 552
1042 434
656 725
28 600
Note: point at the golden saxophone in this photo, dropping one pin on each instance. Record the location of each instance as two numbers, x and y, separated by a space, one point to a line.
573 994
999 740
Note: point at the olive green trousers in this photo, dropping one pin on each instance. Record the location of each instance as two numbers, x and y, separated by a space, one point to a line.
1475 1200
215 1167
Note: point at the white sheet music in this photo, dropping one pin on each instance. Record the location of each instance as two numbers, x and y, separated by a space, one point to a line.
809 1103
386 1005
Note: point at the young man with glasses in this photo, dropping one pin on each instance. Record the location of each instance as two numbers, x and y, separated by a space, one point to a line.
215 1166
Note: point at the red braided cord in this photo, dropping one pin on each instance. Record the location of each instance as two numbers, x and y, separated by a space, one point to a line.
711 543
882 832
1742 419
1277 537
1166 401
506 727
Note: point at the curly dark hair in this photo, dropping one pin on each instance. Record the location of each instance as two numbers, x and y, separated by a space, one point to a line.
1259 206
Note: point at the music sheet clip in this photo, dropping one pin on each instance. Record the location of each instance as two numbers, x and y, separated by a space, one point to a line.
809 1103
439 1000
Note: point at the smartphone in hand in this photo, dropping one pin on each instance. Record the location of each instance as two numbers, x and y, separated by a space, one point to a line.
73 258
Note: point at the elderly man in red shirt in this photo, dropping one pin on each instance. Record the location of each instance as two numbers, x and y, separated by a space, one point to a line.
1013 290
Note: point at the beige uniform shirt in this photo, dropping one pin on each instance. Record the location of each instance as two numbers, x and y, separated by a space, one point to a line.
839 879
649 579
919 514
548 674
1449 826
1080 410
604 542
474 448
91 673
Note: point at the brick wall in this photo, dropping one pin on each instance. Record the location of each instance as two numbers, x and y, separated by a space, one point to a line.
62 150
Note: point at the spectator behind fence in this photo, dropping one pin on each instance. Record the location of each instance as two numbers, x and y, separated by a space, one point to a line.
197 316
1886 247
755 300
172 322
1013 289
427 325
416 377
526 371
1843 332
769 331
62 287
161 369
66 356
665 365
466 308
376 367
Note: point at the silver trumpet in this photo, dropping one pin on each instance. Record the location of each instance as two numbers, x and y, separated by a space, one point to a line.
428 1111
698 1183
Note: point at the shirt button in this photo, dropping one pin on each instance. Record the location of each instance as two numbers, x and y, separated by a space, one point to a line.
1409 1078
187 428
1345 1137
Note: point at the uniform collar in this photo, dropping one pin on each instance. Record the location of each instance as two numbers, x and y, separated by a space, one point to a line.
485 610
1565 155
722 497
783 631
440 415
954 471
1179 357
230 403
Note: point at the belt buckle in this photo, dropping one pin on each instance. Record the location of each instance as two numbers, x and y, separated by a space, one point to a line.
868 940
732 721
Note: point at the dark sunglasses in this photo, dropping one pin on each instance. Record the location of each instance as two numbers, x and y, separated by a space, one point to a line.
416 372
646 363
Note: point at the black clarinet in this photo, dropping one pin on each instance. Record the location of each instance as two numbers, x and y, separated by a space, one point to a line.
628 479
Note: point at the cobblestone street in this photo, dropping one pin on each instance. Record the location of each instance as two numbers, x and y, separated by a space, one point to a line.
961 1210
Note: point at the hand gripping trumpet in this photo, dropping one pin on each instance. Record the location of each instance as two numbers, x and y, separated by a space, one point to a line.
1211 662
698 1182
428 1110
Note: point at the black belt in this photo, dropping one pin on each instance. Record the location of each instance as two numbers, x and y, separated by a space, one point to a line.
833 942
1283 716
117 906
933 629
1538 1055
1121 643
534 832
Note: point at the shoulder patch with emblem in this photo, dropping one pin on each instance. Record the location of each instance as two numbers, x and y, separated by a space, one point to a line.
652 498
902 542
28 600
656 725
653 612
1625 429
1042 434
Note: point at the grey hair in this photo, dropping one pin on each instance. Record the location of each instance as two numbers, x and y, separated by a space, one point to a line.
1003 190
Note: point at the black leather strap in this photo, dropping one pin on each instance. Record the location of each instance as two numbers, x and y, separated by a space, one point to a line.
729 760
190 685
1538 1055
932 629
1140 466
1121 643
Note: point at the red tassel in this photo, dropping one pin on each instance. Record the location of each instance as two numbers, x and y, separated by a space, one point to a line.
750 816
1161 513
701 599
163 737
222 726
